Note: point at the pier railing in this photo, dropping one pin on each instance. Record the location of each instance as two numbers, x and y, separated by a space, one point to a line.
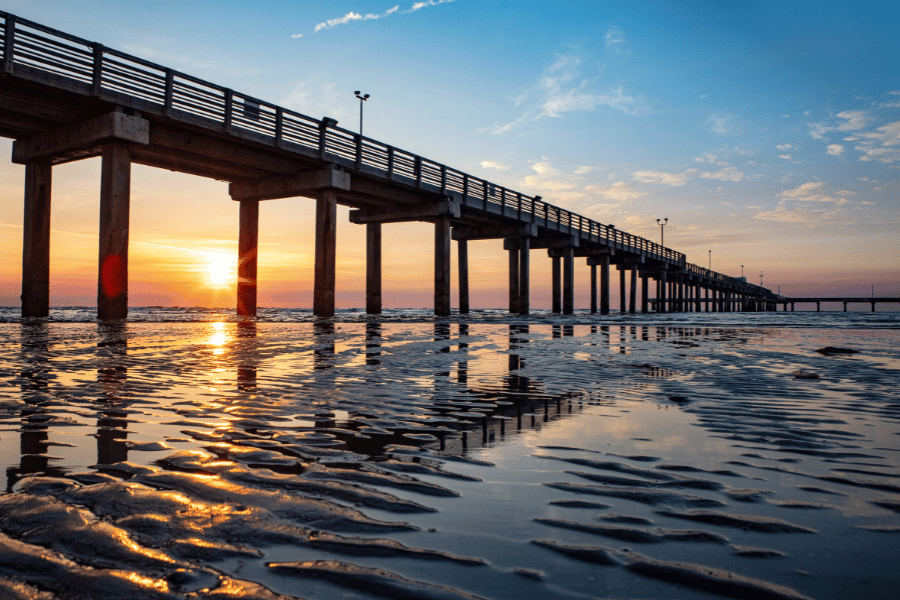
39 53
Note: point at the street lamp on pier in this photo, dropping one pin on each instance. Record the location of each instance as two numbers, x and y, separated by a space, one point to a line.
362 98
760 278
662 231
710 260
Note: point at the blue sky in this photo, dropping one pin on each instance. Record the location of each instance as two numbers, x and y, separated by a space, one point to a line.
766 132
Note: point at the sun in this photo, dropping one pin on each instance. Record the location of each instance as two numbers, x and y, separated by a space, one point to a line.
220 268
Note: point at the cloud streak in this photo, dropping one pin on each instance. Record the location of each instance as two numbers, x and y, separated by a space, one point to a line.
355 16
563 88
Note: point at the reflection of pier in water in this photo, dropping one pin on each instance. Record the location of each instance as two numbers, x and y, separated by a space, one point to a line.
482 416
343 388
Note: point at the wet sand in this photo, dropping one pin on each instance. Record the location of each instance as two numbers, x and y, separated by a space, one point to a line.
448 460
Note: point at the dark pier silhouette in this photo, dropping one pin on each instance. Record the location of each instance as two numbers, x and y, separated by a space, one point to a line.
63 98
784 301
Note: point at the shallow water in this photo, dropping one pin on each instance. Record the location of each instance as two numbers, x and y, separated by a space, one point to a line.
180 455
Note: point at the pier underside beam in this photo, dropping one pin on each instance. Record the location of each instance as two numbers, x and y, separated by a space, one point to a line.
307 183
496 232
82 140
421 212
36 240
248 245
115 199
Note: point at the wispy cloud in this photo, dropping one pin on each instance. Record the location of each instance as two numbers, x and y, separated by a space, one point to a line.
721 123
564 88
355 16
615 37
620 191
487 164
835 149
882 145
810 191
673 179
426 4
728 173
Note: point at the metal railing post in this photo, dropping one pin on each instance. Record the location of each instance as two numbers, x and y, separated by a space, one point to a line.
9 37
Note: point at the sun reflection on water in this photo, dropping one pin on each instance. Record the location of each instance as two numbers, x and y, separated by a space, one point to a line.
219 337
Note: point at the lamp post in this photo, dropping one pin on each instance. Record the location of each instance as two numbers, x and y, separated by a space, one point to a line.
742 271
760 278
662 231
710 260
362 98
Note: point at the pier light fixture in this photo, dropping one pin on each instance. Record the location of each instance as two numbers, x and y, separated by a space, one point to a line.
662 231
742 271
760 278
710 260
362 98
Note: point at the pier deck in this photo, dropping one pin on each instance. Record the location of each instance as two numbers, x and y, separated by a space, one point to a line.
63 98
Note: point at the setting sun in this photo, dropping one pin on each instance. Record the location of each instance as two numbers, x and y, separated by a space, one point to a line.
220 268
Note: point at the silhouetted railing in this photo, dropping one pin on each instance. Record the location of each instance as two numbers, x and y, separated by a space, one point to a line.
39 53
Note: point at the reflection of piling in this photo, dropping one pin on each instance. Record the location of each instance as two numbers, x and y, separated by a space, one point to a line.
34 435
324 351
373 344
247 356
462 368
112 423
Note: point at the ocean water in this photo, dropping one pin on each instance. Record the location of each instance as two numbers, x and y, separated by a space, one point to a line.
187 453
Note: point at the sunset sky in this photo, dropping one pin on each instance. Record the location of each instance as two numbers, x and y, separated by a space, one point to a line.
766 132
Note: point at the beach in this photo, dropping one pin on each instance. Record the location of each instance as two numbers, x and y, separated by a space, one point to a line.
190 454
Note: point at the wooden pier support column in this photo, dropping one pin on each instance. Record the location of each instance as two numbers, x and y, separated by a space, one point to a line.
632 301
679 285
442 266
326 238
645 292
248 244
661 296
556 276
115 199
36 240
604 285
623 298
524 276
593 289
569 280
462 256
513 280
373 268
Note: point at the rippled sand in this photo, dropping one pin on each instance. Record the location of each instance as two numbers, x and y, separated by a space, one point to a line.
423 460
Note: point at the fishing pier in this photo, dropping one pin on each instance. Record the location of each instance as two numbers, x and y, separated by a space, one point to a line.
63 99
